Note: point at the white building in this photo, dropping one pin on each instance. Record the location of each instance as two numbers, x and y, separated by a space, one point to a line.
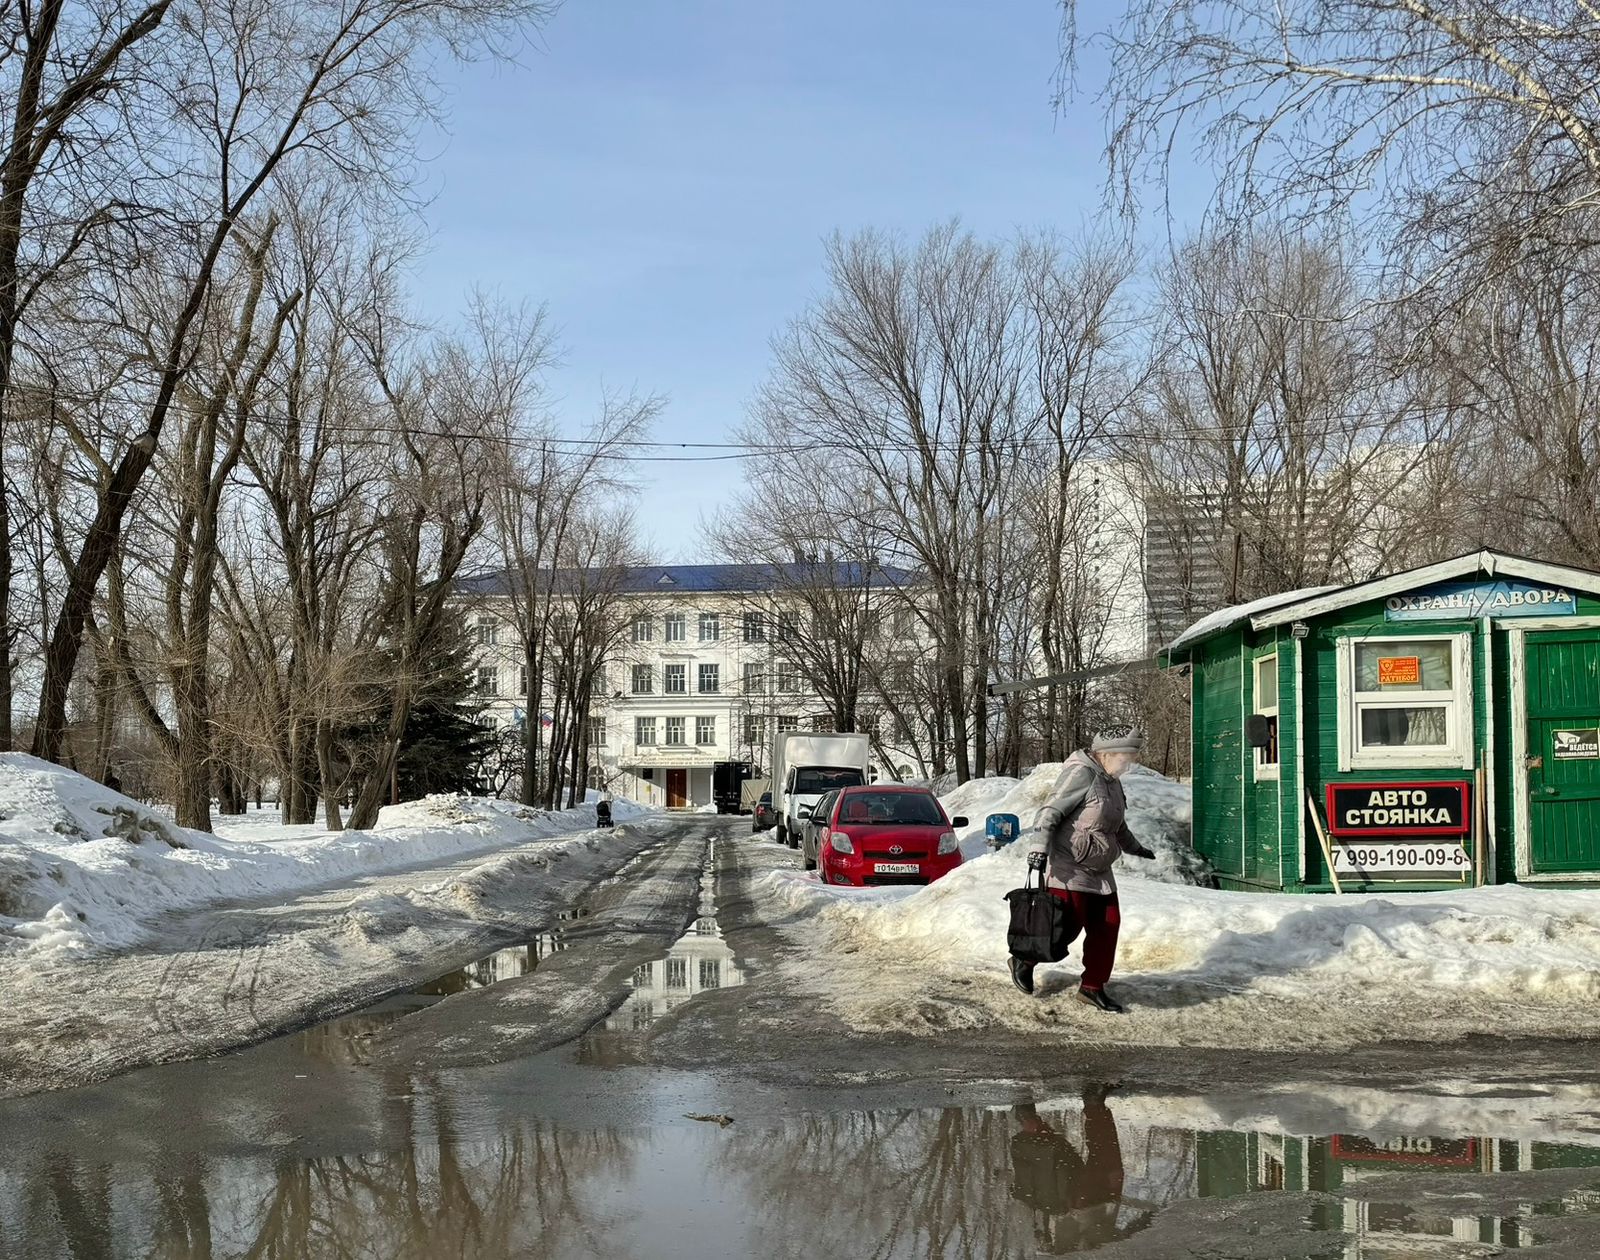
703 677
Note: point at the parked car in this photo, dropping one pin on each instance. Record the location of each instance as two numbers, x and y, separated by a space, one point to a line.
811 828
763 816
887 833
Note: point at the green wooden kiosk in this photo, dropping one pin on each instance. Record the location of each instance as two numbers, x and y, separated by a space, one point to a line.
1424 730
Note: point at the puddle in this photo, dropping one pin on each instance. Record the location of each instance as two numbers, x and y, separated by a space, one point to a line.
427 1173
699 961
343 1039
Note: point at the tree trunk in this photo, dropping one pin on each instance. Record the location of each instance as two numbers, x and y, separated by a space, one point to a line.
330 789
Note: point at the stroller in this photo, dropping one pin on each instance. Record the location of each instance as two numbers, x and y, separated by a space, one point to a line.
602 812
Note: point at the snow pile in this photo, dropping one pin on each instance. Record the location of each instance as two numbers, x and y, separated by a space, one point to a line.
83 867
1158 813
1198 966
1211 968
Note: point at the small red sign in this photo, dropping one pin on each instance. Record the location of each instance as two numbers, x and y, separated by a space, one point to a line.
1398 671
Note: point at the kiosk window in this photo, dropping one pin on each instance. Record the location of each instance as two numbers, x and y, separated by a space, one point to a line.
1266 704
1406 702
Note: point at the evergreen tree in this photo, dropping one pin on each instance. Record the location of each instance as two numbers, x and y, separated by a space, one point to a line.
443 745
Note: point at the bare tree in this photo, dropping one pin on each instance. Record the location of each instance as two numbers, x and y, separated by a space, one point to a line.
66 66
254 89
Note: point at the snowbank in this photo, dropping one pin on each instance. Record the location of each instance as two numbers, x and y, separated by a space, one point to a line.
1158 813
1199 966
84 868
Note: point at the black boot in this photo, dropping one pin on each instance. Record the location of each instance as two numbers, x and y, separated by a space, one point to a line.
1097 998
1022 975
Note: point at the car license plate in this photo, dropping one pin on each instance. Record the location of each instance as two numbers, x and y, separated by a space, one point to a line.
897 868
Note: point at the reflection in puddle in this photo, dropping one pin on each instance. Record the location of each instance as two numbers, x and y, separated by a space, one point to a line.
1055 1179
697 962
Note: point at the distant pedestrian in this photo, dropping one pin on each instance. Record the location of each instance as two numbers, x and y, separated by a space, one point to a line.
1082 832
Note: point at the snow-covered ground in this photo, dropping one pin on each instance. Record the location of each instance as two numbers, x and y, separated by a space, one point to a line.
126 940
1199 966
83 868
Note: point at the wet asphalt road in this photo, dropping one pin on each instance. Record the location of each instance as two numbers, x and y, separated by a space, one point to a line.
632 1079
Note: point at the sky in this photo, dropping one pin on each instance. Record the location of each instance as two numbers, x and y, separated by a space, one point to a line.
663 173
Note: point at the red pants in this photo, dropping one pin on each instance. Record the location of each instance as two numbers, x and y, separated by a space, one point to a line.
1100 917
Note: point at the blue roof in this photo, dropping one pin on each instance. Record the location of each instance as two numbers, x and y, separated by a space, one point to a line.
705 579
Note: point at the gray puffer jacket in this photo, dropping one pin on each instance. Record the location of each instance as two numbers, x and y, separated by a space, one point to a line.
1084 828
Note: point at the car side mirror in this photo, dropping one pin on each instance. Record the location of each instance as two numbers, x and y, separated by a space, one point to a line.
958 821
803 812
1257 731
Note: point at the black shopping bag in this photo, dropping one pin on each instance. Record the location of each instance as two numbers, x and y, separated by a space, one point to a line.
1042 927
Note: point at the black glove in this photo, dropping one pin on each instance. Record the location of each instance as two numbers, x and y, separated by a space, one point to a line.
1036 860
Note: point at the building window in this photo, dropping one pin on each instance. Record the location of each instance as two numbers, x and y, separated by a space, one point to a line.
677 973
788 680
710 627
644 732
677 729
1265 702
711 973
710 679
644 629
488 680
597 732
705 730
522 680
755 680
597 777
644 975
674 680
488 633
787 722
788 627
902 623
754 734
676 627
1405 703
755 627
643 680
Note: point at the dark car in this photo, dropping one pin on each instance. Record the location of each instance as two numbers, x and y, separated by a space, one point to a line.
816 822
887 834
764 816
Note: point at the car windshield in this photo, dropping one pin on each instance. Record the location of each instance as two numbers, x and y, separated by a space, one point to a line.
813 782
863 808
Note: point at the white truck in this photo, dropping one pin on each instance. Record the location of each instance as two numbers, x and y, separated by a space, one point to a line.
806 767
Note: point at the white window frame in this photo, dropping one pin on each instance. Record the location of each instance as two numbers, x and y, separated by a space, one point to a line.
682 727
702 672
713 623
644 629
643 726
675 622
753 627
705 731
488 682
649 688
597 732
1265 770
667 689
787 722
1457 753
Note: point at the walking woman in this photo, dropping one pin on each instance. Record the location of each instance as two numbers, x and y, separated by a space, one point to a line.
1085 831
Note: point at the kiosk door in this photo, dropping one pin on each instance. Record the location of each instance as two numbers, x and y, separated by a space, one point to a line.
1562 702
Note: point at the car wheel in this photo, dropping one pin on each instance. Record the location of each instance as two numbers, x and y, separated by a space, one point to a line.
809 864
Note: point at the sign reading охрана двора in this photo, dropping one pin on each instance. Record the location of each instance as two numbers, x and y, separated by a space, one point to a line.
1463 601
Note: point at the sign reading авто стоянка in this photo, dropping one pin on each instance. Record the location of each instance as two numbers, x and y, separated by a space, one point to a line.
1460 601
1389 809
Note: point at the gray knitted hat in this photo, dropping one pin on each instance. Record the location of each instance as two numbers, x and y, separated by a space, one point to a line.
1132 742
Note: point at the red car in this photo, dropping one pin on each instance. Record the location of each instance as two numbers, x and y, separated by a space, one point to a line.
886 834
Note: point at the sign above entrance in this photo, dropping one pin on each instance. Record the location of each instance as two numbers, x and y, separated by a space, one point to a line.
1462 601
1399 809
